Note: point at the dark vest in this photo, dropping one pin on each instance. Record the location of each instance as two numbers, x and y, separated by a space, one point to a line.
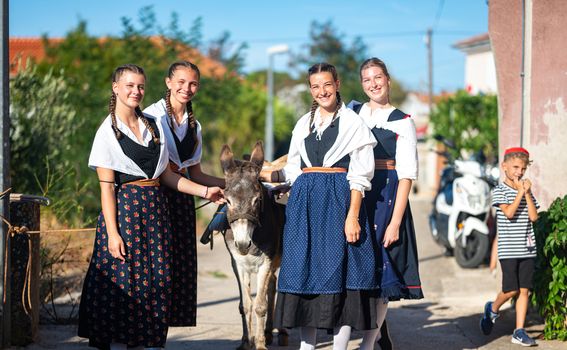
316 149
186 147
146 158
386 146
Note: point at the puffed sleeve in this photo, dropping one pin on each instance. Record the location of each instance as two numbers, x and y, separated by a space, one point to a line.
101 154
406 150
292 168
361 168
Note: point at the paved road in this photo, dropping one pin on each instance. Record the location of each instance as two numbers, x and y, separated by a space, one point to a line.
446 319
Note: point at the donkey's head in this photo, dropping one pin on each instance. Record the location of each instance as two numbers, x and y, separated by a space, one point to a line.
243 193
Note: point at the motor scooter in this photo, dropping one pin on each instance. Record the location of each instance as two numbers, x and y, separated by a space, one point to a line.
461 208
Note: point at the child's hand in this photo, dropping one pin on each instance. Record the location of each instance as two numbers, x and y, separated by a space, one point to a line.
519 186
527 185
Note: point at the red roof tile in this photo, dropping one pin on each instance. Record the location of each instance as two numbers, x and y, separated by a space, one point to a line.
23 48
472 41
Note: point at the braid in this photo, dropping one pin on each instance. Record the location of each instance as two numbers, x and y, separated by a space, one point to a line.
112 110
314 106
168 108
339 103
146 123
190 114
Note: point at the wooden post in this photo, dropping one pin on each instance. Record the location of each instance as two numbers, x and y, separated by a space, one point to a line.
4 176
25 268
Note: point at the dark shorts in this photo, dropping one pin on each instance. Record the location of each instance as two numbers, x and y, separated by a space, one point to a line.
517 273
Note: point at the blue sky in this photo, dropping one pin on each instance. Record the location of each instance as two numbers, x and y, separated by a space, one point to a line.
394 30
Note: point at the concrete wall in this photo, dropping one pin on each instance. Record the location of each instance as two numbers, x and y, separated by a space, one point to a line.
545 88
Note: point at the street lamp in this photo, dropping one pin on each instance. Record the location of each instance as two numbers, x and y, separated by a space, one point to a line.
269 130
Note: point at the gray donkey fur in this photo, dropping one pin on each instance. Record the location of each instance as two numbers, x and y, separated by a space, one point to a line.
254 243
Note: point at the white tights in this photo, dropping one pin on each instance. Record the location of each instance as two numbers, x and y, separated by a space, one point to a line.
308 337
341 335
371 336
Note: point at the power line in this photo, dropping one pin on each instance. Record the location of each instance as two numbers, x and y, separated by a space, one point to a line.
438 16
362 35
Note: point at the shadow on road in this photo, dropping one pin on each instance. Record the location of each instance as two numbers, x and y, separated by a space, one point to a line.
422 326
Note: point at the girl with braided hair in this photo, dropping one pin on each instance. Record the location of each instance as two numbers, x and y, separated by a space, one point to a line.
126 293
183 137
328 278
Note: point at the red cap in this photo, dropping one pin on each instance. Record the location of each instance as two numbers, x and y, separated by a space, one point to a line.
517 150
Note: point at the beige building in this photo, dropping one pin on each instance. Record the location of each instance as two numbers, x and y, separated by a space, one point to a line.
480 72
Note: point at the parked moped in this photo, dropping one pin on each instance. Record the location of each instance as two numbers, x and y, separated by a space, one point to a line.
461 208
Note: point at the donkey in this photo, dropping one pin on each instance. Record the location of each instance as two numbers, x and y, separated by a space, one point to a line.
254 243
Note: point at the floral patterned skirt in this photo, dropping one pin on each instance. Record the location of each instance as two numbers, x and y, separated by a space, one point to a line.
129 302
183 259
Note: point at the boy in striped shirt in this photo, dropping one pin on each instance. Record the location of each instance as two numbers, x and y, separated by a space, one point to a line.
516 210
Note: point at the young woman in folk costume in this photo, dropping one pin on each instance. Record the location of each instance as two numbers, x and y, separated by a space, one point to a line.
328 277
182 134
387 203
126 293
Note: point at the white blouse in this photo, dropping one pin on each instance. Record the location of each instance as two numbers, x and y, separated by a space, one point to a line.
354 139
159 111
406 145
107 153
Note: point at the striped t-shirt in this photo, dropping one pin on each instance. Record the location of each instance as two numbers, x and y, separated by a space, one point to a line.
516 237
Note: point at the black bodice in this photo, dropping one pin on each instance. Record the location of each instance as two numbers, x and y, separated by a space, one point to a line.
386 146
316 149
186 147
146 158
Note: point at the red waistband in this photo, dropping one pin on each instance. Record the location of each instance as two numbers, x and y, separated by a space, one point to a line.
320 169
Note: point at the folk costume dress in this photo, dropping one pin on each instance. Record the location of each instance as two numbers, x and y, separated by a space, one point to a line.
185 149
319 267
395 158
128 302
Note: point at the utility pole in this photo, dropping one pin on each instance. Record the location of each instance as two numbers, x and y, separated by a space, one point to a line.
429 46
5 314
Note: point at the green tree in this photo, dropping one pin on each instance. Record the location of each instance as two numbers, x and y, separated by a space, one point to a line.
239 121
221 49
85 63
326 45
469 121
42 126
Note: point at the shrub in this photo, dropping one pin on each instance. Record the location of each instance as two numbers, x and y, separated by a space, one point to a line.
550 289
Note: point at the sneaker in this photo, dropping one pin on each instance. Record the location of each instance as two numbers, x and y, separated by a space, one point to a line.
521 337
488 319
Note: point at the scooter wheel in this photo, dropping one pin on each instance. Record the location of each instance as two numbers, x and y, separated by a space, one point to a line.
474 251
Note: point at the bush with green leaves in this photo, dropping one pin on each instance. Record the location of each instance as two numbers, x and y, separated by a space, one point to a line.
470 122
42 125
550 290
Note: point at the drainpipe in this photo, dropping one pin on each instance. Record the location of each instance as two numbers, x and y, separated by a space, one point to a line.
526 67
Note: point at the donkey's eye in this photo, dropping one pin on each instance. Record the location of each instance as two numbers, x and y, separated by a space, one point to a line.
228 201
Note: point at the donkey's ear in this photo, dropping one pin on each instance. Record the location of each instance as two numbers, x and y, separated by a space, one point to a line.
226 158
257 156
